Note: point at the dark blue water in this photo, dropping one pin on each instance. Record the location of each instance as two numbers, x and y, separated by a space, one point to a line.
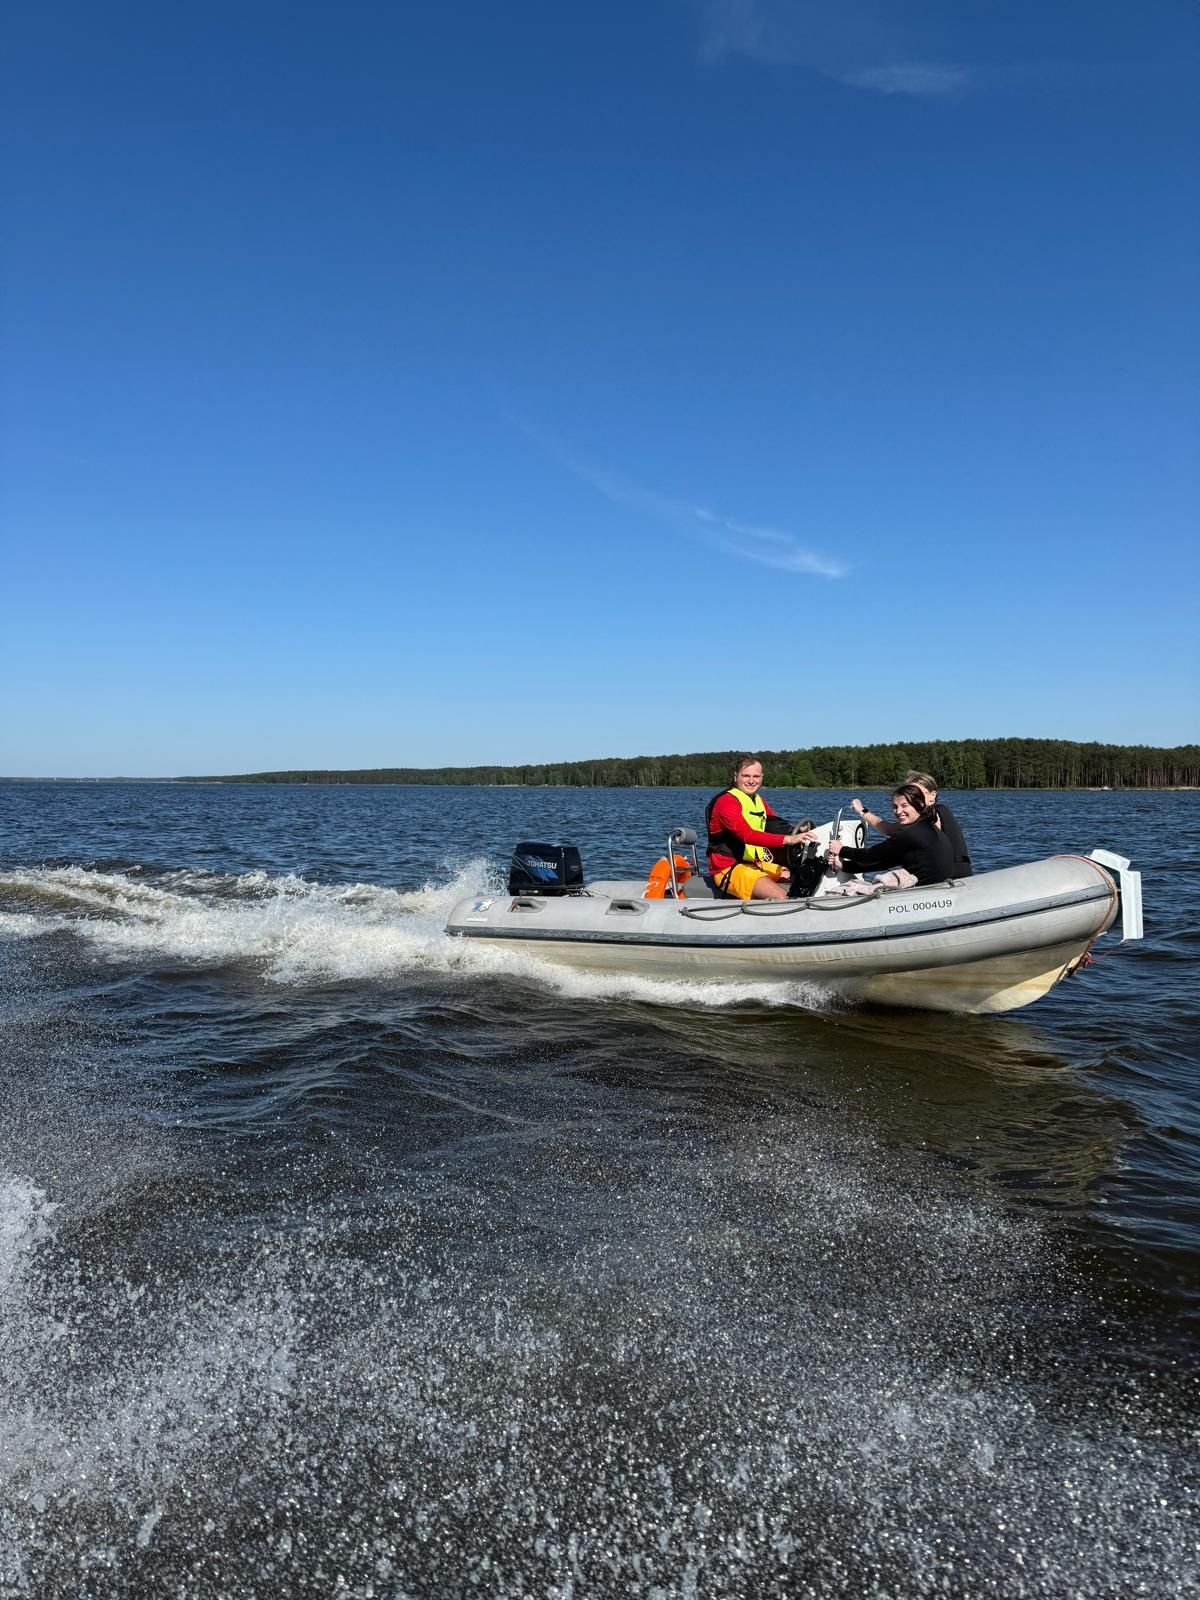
338 1259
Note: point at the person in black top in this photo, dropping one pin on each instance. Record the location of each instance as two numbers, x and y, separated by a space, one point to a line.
946 821
916 850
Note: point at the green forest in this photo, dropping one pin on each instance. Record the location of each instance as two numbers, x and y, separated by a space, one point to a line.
956 764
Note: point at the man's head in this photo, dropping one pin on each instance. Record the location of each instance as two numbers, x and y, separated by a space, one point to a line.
748 774
923 781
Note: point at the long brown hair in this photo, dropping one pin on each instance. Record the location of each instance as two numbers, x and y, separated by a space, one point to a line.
922 781
917 799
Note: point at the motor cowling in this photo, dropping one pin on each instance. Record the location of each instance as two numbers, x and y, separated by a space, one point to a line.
550 869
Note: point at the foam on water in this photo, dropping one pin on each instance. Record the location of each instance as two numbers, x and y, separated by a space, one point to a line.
772 1370
298 932
108 1405
25 1216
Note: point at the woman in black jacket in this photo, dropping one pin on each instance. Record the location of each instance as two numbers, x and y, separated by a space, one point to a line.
946 821
917 851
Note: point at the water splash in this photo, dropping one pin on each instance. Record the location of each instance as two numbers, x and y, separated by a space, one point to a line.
674 1397
113 1394
297 932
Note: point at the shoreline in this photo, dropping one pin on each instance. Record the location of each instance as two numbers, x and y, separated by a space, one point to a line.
433 783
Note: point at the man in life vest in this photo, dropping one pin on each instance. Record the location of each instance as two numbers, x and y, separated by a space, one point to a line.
740 840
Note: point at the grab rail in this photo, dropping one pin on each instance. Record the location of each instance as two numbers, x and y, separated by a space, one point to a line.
681 837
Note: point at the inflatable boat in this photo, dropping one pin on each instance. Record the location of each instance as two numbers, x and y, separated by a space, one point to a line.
992 942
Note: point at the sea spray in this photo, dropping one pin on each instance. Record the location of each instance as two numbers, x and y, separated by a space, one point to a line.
693 1385
294 932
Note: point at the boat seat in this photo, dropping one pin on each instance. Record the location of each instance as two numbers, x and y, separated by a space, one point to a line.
700 886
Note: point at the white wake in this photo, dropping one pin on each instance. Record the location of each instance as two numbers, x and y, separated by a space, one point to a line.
296 932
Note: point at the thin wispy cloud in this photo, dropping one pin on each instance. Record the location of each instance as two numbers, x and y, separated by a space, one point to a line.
911 77
850 41
766 547
736 28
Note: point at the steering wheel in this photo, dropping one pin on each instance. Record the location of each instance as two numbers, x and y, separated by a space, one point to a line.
790 856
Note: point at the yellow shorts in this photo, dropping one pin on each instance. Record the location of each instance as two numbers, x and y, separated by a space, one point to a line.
740 879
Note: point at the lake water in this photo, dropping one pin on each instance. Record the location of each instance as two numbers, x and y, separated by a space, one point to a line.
337 1258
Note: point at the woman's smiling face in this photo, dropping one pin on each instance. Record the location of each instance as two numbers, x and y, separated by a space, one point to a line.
903 810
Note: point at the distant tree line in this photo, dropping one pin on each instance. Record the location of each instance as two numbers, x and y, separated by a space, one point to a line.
956 764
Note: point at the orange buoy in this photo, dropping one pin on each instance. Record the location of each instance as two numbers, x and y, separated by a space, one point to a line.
659 881
656 883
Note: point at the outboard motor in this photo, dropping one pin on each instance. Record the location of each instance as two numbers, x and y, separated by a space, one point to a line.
545 869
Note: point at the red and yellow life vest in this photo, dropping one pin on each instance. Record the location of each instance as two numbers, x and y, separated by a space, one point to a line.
728 844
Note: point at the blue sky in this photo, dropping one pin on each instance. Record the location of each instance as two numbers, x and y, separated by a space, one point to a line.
461 383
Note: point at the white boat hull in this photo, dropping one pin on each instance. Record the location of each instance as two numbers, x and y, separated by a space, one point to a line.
990 943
